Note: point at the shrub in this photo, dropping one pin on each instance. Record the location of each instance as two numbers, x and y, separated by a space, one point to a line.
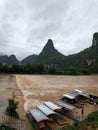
11 109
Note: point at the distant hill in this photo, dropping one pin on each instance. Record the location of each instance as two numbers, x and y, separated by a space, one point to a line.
86 58
29 60
49 55
8 59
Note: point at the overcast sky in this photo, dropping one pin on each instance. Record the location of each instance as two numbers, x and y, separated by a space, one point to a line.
26 25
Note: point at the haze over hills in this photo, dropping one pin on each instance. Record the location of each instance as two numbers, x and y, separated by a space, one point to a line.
87 57
8 59
50 56
30 59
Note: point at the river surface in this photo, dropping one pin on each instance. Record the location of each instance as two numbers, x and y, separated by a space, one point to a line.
40 88
36 89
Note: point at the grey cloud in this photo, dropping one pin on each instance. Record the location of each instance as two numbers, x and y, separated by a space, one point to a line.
26 25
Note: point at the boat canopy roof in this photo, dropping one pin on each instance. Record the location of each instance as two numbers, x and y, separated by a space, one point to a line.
46 110
38 115
52 106
65 105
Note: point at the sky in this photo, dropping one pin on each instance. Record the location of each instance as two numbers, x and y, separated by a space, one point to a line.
26 25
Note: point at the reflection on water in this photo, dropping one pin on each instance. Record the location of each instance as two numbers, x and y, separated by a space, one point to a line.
7 85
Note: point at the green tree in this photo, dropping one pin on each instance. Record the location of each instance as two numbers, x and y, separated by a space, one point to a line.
52 70
11 109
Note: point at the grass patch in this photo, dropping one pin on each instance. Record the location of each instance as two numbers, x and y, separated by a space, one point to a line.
91 121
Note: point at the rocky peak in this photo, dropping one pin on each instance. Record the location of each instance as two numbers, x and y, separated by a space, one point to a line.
12 59
95 39
12 56
9 59
49 44
48 48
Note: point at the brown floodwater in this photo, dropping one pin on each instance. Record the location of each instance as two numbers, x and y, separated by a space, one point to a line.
32 90
40 88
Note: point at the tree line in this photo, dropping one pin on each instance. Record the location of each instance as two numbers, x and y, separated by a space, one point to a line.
41 69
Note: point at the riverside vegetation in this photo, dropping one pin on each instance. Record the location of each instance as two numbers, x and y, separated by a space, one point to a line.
10 111
40 69
90 123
